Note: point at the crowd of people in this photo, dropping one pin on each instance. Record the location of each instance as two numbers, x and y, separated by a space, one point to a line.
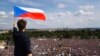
60 47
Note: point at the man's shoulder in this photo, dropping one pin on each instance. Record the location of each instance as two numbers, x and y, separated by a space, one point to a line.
24 34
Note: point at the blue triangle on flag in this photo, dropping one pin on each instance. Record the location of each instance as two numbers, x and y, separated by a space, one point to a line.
18 11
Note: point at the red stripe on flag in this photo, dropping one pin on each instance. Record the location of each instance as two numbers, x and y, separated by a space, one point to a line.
39 16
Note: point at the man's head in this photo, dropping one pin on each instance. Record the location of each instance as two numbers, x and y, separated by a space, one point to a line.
21 24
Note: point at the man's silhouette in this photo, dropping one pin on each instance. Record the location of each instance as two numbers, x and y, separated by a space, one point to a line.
21 40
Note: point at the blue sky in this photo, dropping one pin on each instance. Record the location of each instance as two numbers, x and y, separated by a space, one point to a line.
59 13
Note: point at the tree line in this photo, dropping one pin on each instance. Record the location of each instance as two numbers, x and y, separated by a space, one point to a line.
81 34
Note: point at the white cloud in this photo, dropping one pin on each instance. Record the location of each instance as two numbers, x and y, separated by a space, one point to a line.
11 13
31 3
69 13
86 7
60 14
3 23
64 1
61 5
3 14
27 2
83 12
60 19
6 20
68 19
13 1
40 22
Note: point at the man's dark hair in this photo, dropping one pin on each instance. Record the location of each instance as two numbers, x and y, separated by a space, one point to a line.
21 24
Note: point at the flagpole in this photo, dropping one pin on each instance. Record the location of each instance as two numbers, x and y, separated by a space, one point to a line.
14 18
14 21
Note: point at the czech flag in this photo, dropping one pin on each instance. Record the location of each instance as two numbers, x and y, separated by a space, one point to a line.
29 13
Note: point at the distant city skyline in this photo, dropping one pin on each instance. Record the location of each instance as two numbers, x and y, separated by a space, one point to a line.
59 13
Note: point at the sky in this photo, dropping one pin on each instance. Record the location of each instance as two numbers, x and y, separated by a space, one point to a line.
59 13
